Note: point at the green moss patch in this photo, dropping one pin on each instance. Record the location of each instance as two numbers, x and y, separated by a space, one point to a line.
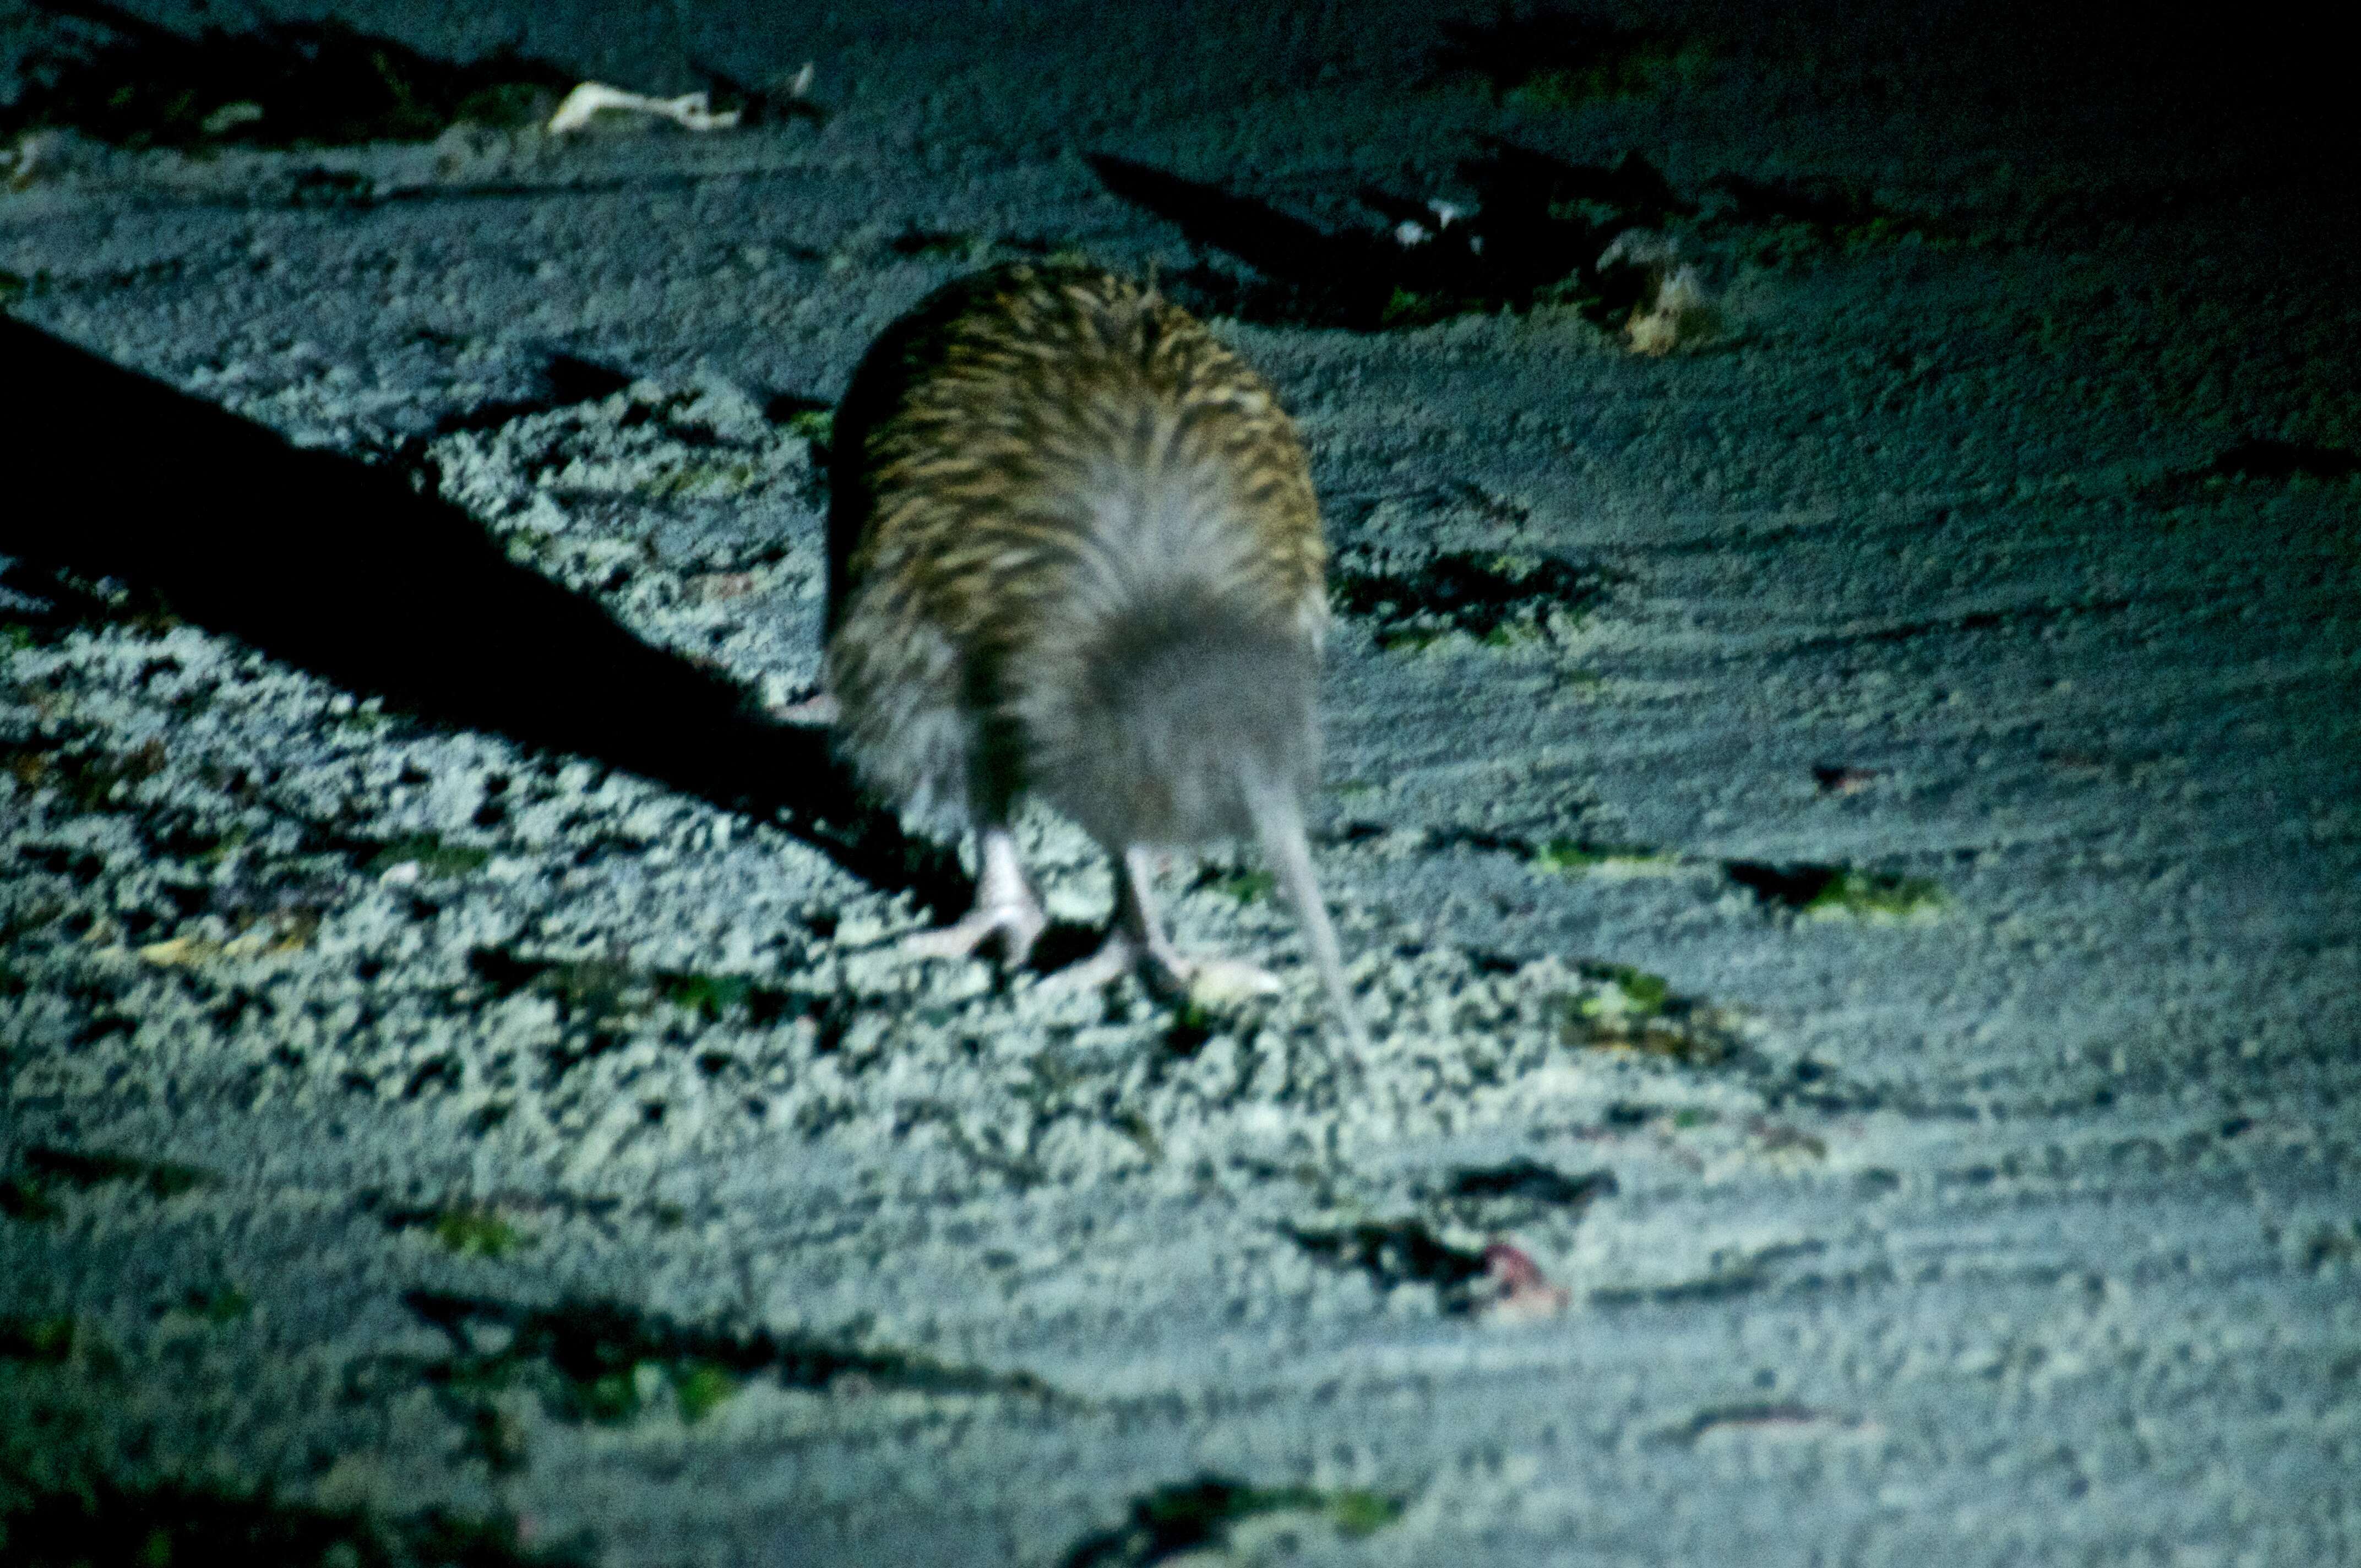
466 1231
1193 1025
1246 886
1626 1009
478 1233
1564 857
1203 1514
709 996
815 425
1877 895
1825 892
1624 993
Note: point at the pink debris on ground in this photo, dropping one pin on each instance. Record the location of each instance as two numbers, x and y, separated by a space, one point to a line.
1522 1293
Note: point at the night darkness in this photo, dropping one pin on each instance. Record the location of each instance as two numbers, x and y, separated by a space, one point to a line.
1838 799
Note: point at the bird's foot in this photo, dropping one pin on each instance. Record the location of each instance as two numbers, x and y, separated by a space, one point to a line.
1018 922
1005 907
1218 979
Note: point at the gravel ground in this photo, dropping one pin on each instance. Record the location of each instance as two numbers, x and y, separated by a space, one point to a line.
1845 831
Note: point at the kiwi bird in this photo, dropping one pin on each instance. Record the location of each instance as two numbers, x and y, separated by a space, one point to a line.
1075 556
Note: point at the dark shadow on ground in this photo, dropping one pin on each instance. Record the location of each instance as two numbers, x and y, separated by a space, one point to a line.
1316 278
569 379
1537 233
340 567
102 1521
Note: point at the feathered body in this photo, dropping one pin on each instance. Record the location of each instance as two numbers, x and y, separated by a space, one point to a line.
1075 554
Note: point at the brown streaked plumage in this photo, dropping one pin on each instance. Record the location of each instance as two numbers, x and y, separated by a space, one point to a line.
1075 555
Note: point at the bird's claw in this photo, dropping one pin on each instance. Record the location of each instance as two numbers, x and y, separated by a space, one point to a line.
1017 926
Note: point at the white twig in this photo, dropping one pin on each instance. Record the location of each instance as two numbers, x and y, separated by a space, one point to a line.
691 110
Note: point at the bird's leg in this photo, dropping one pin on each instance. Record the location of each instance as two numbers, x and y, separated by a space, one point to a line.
1005 907
1139 944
